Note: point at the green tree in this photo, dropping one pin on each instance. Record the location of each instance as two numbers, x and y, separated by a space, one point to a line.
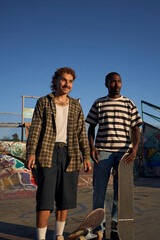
15 137
5 138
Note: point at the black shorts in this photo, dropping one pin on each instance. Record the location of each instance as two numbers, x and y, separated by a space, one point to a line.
55 184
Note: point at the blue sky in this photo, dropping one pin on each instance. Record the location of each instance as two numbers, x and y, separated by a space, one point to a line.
94 37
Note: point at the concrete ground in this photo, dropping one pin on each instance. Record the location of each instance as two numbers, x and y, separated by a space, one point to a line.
17 216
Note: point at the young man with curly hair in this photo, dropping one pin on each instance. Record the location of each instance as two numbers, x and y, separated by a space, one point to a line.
116 117
57 144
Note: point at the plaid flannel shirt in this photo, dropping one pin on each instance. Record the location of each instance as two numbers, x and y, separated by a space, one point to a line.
42 135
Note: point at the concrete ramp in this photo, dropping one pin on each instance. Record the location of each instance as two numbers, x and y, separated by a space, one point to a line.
15 180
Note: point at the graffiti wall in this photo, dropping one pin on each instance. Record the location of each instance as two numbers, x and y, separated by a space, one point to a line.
151 141
15 179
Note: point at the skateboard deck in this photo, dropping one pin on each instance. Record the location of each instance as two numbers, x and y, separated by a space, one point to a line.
84 231
125 200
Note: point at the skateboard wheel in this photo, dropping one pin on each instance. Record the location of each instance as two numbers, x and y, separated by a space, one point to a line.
99 235
80 238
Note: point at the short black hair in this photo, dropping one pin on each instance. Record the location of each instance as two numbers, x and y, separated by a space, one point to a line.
109 76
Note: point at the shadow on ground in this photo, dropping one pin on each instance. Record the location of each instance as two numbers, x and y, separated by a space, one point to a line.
17 230
147 182
21 231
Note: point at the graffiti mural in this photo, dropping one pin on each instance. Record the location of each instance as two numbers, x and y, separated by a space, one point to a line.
151 140
15 179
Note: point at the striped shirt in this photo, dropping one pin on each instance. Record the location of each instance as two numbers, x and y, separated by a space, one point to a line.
115 117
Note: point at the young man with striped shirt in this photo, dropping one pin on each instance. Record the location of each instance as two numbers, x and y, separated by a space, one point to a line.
117 118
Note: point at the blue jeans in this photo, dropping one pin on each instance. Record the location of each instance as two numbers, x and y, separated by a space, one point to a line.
101 174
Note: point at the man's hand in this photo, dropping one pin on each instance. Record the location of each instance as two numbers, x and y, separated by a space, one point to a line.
94 155
132 155
135 136
30 161
87 166
93 151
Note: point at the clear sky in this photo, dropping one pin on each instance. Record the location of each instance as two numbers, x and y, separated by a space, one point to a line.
94 37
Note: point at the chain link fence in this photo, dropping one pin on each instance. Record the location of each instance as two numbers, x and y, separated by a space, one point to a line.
12 125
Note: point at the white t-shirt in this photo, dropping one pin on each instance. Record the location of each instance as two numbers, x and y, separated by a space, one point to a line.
61 123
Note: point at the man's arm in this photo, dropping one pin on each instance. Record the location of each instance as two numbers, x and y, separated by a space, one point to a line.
135 138
83 141
33 137
93 150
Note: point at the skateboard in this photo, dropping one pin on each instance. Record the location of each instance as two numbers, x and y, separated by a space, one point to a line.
84 231
125 200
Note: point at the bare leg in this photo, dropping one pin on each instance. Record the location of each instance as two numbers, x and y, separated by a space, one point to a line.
42 218
61 215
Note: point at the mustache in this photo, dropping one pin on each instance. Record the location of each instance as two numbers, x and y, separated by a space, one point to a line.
66 87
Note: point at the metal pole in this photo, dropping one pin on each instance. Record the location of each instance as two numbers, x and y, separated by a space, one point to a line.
10 113
142 109
23 113
22 118
30 97
142 116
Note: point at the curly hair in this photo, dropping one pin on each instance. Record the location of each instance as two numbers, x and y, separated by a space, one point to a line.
59 72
